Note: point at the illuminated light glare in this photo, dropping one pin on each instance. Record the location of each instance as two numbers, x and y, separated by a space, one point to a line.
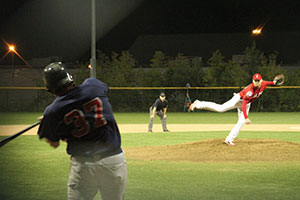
11 47
90 66
256 31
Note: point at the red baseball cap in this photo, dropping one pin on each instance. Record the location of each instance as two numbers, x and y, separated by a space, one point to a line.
256 76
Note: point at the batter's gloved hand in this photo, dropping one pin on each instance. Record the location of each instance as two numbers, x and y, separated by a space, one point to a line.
279 79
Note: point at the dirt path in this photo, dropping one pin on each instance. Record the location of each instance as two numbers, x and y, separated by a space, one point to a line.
138 128
135 128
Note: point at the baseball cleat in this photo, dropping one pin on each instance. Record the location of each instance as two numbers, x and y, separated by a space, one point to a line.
193 105
166 130
229 143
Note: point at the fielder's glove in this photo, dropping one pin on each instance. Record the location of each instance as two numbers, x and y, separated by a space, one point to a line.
279 79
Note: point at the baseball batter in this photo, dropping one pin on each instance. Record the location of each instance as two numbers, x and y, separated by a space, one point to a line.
82 116
241 101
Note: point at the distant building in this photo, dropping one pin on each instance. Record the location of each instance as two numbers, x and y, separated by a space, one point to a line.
231 45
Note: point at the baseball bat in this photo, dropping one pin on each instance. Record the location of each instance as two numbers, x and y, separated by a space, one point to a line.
6 140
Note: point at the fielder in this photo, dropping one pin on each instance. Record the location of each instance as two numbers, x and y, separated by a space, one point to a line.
82 116
241 101
159 107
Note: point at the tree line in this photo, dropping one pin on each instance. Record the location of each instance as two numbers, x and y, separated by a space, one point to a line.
121 69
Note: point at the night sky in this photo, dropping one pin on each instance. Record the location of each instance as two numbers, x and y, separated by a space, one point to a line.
62 28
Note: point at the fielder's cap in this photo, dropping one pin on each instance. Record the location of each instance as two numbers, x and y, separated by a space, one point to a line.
256 76
162 94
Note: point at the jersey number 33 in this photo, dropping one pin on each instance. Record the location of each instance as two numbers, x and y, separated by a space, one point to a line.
78 119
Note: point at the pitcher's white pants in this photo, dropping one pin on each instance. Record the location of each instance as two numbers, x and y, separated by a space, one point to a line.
234 102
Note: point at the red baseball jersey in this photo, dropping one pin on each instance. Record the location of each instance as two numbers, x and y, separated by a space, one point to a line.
250 94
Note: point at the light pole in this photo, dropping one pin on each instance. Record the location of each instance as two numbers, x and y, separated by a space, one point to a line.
93 40
13 50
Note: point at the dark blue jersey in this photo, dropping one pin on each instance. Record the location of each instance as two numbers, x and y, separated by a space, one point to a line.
160 105
83 116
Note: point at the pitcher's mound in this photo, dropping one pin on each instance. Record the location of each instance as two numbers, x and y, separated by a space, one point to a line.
246 150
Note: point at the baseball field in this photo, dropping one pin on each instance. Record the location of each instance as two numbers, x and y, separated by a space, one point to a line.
189 163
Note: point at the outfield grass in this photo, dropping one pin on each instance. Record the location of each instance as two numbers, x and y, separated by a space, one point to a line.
172 118
30 169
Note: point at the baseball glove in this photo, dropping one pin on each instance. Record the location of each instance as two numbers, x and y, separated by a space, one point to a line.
279 79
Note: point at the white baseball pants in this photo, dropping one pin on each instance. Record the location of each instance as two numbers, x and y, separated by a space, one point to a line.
234 102
90 174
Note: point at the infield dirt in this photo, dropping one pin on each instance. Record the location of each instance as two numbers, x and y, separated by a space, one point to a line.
214 150
140 128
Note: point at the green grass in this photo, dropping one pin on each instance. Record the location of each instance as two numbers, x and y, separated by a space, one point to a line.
30 169
173 118
7 118
194 181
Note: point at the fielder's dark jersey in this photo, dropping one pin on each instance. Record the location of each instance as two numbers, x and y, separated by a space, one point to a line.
84 117
160 105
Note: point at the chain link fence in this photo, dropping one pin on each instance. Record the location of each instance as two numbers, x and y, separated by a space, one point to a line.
139 100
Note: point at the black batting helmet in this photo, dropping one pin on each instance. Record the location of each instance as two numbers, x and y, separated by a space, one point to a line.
56 78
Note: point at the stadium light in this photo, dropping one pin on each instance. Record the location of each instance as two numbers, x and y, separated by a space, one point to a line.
256 31
12 48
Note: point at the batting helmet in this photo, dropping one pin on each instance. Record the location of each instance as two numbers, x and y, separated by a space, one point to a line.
56 78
